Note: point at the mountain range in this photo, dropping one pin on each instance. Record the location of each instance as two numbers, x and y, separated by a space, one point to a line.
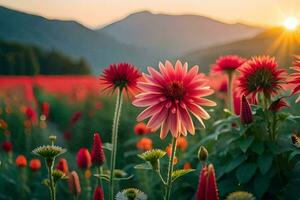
142 38
278 42
176 34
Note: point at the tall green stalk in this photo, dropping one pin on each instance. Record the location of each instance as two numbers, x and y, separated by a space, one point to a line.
229 92
114 141
170 170
50 164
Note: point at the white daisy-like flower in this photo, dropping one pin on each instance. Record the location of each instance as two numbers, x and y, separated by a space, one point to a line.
131 194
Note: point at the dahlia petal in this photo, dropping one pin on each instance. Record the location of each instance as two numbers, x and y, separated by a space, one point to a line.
165 128
155 75
156 120
174 124
144 99
187 122
170 70
149 112
204 102
198 110
149 86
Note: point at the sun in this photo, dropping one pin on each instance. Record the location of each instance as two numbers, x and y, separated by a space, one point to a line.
291 23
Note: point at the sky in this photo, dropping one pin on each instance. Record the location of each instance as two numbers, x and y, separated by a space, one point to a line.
97 13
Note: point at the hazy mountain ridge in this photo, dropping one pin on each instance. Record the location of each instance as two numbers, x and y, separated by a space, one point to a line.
275 42
69 37
176 34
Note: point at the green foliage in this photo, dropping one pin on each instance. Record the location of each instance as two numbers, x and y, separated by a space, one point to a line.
20 59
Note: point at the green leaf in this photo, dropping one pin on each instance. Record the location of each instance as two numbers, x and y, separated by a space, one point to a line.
235 162
245 172
246 142
261 185
265 162
258 147
178 173
102 176
294 154
107 146
144 166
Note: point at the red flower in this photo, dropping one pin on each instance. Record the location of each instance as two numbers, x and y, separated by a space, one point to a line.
98 194
170 96
76 117
122 76
182 143
31 114
141 129
21 161
295 139
246 111
84 159
67 135
63 166
45 109
187 165
35 164
74 184
278 105
296 77
7 146
207 187
144 144
228 63
260 75
98 156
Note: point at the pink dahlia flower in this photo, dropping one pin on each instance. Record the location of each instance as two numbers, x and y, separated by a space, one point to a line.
228 63
170 96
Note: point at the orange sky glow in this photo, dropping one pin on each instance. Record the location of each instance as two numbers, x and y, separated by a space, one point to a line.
96 13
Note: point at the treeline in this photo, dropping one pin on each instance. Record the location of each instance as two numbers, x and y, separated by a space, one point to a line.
20 59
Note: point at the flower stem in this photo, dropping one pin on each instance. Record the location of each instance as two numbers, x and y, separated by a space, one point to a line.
229 92
114 141
50 164
100 171
170 170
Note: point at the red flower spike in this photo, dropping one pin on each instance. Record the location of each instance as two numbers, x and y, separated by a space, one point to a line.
7 146
45 109
207 187
98 156
246 112
98 194
76 117
295 77
74 184
84 159
278 105
63 166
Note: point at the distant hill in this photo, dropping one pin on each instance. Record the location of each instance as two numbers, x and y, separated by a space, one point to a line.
277 42
69 37
17 59
175 35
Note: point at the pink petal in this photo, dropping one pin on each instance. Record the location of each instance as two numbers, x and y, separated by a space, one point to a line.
152 110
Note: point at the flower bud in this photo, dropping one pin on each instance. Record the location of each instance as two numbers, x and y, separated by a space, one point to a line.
98 194
246 112
35 164
278 105
98 156
21 161
202 154
63 166
74 184
84 159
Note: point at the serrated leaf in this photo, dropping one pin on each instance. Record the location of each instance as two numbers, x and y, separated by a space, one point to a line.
264 163
123 178
107 146
178 173
235 162
245 172
145 166
246 142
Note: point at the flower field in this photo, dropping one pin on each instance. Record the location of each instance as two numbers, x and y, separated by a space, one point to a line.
171 132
